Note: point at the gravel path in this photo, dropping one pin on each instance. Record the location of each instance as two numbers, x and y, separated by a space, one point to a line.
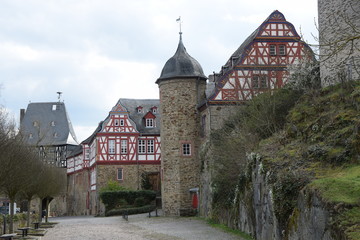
138 227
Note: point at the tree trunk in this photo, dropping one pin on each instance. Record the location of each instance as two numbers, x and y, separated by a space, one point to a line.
47 208
40 210
11 223
28 213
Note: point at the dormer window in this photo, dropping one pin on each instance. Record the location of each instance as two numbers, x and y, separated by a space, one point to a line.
52 123
154 110
55 107
56 135
35 124
139 109
31 136
149 123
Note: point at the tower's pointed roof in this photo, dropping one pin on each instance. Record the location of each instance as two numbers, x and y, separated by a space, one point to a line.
181 65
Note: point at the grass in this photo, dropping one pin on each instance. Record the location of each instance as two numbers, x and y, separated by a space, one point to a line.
229 230
340 185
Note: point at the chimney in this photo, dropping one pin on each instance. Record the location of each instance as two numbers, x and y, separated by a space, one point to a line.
22 114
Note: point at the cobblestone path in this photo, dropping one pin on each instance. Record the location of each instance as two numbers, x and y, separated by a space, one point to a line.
138 227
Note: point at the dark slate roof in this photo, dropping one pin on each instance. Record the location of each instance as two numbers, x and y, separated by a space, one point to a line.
77 151
181 65
131 106
47 123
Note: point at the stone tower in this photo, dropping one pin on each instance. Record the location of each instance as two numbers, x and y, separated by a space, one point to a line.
339 26
182 86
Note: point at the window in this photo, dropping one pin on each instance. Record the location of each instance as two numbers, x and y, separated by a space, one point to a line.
154 110
122 122
259 81
123 148
87 153
120 175
139 109
35 124
116 122
186 149
30 136
55 107
203 126
282 50
52 123
56 135
149 122
150 146
272 49
142 146
111 146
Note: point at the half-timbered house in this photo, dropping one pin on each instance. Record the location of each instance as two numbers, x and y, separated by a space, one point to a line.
124 148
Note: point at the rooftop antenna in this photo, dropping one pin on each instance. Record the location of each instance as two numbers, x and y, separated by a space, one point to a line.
59 93
179 21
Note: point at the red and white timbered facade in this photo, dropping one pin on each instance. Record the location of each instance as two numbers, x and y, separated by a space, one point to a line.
130 135
260 64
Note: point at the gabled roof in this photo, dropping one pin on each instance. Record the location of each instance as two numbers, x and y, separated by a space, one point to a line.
147 105
47 123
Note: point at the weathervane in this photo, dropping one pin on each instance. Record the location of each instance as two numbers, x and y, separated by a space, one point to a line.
59 93
179 21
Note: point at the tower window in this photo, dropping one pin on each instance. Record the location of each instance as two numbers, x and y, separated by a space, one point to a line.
186 149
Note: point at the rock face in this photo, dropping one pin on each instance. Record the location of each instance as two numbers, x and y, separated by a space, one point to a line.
310 219
256 216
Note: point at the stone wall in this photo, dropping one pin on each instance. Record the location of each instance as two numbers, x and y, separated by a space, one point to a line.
215 117
180 123
339 27
131 179
78 191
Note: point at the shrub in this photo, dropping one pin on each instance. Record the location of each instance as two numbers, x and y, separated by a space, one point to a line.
139 202
130 211
113 199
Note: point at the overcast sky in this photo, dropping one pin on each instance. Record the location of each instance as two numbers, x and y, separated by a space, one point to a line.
97 51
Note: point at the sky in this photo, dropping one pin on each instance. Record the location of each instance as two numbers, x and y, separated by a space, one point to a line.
97 51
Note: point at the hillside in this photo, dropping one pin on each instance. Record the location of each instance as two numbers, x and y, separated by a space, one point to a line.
303 169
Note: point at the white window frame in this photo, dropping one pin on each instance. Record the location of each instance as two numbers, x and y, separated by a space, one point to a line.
186 149
122 122
116 122
124 146
121 171
272 50
112 146
282 49
142 146
150 146
149 122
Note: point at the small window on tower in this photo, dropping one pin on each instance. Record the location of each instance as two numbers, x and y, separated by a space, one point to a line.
186 149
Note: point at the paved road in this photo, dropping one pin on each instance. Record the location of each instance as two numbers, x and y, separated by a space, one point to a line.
138 227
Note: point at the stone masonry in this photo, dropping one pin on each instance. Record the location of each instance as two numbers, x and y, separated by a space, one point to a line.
180 124
339 28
